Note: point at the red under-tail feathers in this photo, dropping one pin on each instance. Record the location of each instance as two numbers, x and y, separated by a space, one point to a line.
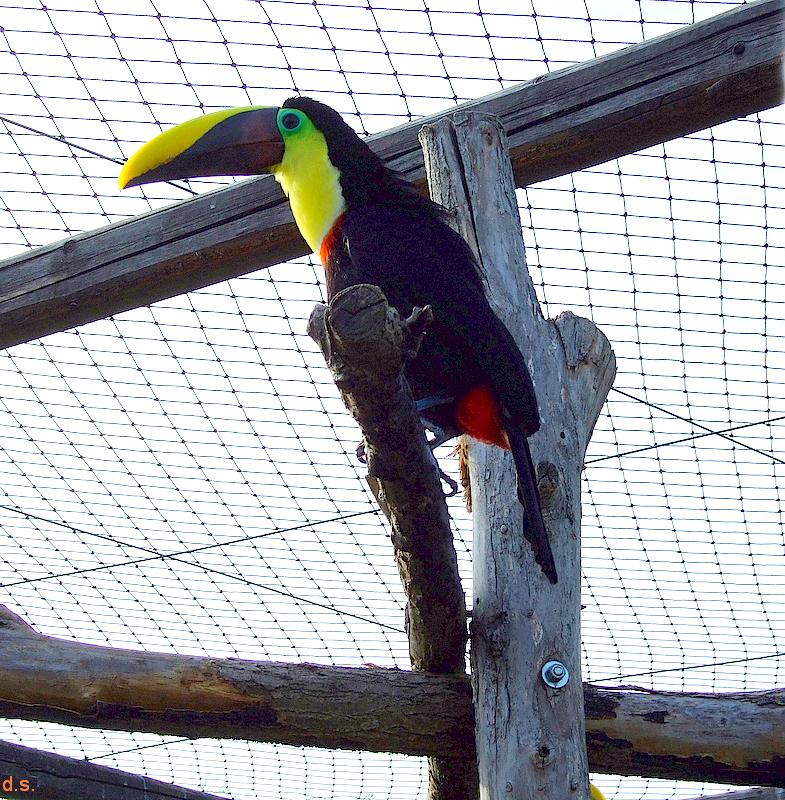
477 414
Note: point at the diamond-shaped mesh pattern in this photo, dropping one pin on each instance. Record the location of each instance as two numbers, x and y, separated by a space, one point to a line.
182 477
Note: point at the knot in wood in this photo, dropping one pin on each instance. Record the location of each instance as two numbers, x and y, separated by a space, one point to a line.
578 337
492 628
542 756
548 483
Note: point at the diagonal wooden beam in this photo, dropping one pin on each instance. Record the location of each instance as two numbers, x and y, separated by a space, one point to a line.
701 75
25 772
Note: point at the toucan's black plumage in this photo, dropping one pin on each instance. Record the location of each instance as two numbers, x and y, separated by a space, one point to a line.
393 237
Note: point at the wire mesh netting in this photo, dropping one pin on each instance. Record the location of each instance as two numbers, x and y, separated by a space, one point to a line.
182 477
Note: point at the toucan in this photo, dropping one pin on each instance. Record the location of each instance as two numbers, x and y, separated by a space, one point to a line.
369 225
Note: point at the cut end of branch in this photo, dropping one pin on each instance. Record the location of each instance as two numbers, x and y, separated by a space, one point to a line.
358 313
360 336
13 623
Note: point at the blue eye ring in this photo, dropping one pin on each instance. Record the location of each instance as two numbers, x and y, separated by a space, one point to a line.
290 121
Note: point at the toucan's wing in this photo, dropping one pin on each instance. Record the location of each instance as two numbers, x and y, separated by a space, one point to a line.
417 259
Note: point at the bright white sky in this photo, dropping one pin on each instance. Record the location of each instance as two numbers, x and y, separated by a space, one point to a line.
210 417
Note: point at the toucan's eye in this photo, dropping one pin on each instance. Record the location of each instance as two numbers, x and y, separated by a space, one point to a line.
291 121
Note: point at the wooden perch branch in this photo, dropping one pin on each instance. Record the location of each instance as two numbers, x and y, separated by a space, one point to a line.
54 680
674 735
365 344
733 738
26 772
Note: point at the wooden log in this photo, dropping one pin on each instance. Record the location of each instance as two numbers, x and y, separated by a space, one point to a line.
669 86
764 793
676 735
365 343
26 772
733 738
530 737
54 680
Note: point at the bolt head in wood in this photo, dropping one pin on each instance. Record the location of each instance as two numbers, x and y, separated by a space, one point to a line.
555 674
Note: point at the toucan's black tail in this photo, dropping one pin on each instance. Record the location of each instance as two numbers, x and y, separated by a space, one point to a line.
533 523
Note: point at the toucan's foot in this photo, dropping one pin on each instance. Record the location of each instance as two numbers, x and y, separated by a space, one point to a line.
414 328
362 458
440 435
450 482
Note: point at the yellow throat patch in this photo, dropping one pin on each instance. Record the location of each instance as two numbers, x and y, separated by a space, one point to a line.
312 184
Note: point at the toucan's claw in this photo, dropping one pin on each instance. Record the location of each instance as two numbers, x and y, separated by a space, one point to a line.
440 436
450 482
362 458
414 329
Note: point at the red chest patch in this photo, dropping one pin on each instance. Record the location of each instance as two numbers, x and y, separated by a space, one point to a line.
330 240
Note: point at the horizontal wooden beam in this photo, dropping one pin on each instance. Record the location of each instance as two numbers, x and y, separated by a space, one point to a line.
27 772
727 738
764 793
701 75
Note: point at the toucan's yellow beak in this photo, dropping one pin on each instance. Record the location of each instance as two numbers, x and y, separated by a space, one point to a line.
238 141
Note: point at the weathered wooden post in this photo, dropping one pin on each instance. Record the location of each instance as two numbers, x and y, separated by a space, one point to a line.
530 725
